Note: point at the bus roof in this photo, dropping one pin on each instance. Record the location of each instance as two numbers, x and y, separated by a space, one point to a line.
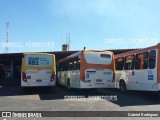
138 51
78 53
31 53
70 56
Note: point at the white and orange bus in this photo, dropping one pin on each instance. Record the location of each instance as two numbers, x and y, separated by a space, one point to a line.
38 69
138 69
87 69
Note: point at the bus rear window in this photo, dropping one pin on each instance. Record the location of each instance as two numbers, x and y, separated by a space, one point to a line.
105 56
38 60
98 58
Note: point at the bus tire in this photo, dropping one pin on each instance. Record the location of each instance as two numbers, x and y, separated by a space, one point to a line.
68 84
122 86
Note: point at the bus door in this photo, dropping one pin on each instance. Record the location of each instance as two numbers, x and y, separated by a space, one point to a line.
131 73
75 72
141 69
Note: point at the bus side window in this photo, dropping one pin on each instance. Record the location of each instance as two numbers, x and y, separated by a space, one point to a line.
119 63
75 63
66 65
137 63
70 64
152 59
60 66
61 69
63 66
78 63
77 66
129 62
146 60
141 61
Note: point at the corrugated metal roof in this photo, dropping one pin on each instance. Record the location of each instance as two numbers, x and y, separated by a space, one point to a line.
73 51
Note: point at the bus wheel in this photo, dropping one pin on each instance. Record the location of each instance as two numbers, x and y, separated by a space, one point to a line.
68 84
122 86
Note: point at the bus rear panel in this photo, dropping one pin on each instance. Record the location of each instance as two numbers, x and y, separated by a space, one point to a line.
38 70
98 74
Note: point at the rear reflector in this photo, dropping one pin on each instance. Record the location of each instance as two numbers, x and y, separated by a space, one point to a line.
52 76
83 77
24 78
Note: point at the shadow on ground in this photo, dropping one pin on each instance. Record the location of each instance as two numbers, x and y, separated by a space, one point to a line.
131 98
134 98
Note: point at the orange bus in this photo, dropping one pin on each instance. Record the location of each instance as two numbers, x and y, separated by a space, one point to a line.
87 69
138 69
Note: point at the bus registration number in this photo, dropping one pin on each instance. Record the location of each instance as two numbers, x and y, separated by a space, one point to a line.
99 80
38 80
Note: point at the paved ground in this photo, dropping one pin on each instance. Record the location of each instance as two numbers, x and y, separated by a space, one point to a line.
14 98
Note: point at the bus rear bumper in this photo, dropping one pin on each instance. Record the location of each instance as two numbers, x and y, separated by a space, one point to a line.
97 85
27 84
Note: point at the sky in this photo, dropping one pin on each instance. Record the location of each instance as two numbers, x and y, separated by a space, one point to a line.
42 25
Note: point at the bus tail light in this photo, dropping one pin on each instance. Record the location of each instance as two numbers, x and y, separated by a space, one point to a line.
52 76
83 77
113 77
24 77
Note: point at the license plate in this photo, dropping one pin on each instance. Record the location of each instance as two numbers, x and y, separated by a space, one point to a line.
98 80
38 80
